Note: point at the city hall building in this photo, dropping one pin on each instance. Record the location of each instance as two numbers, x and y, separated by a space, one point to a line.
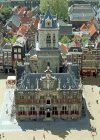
42 92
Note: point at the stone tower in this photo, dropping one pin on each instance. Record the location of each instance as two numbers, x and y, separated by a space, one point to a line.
47 48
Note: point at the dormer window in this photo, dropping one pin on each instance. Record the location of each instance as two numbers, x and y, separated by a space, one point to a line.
75 50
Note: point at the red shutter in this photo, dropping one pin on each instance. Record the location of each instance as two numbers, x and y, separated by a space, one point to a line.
29 113
29 101
18 101
24 113
18 113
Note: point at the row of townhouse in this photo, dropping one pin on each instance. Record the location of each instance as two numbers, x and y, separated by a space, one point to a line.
22 25
10 54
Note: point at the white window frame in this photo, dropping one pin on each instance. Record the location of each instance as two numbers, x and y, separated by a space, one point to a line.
75 50
15 49
15 56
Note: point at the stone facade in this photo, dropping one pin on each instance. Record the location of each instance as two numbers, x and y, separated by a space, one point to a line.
41 91
49 96
90 61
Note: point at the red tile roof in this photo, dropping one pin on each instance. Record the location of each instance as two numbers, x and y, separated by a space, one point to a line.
84 27
25 20
92 30
21 11
63 48
35 22
29 13
22 30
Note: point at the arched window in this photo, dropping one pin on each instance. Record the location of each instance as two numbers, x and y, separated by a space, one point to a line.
48 64
53 38
48 40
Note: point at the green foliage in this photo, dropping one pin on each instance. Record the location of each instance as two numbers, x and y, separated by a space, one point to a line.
76 39
5 13
65 39
59 7
10 39
84 38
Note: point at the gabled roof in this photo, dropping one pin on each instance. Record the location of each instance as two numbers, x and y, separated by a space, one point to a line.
35 22
7 46
92 30
21 11
81 12
25 19
22 30
63 48
67 80
84 27
64 28
48 16
15 20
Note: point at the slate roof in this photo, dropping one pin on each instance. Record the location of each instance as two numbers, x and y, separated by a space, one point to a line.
15 20
81 12
22 30
48 16
64 28
7 46
67 80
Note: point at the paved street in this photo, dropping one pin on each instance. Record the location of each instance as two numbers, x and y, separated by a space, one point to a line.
2 90
67 130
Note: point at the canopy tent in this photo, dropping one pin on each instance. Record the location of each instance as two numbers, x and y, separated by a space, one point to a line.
11 81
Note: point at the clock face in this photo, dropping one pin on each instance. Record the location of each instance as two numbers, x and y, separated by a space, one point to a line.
48 23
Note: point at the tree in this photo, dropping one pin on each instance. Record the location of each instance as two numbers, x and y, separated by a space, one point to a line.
10 39
5 13
59 7
65 39
84 39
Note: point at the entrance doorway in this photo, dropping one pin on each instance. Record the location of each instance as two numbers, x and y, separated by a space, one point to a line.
48 114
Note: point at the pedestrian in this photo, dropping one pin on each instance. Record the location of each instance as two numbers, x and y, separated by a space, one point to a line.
3 135
7 111
97 101
44 136
33 137
0 136
92 89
